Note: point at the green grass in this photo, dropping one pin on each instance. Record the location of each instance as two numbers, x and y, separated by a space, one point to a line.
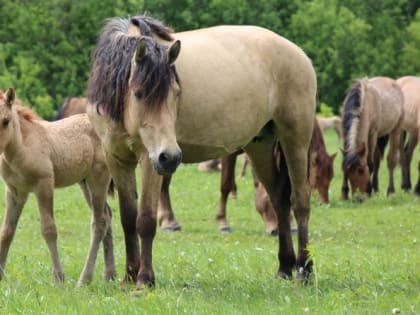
367 257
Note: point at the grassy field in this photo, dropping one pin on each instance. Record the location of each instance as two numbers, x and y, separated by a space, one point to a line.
367 257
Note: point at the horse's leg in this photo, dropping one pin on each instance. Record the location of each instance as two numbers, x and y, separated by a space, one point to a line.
244 165
124 177
277 185
374 187
44 193
406 158
147 220
227 184
166 216
95 195
110 272
15 200
345 187
393 157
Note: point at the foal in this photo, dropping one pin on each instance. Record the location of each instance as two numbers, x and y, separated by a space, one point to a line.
37 156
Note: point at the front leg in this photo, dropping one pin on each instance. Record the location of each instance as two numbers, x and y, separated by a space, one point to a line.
147 220
15 201
345 187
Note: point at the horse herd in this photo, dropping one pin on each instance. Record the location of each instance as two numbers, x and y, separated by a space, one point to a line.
157 98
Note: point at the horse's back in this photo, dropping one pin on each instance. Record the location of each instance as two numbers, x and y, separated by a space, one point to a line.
390 103
410 87
234 77
74 147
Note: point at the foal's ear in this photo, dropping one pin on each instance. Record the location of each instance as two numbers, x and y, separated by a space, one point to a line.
361 150
10 96
332 156
141 49
173 51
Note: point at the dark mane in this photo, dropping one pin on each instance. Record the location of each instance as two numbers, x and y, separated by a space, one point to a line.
108 85
149 26
351 113
60 111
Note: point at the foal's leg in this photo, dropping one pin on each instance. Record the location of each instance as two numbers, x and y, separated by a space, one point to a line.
166 216
146 220
44 193
277 186
227 185
94 191
15 200
123 175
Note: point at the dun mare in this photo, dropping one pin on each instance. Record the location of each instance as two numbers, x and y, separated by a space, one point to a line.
333 122
37 156
234 87
372 111
411 89
71 106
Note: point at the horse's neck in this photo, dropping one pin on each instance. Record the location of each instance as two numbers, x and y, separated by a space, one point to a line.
15 146
317 141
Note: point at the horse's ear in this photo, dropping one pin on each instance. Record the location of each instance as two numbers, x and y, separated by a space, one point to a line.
342 151
141 49
173 51
10 96
332 156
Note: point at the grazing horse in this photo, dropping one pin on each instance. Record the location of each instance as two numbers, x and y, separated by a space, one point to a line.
71 106
410 87
37 156
372 110
234 87
333 122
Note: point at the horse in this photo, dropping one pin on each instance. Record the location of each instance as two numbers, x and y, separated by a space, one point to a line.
71 106
38 155
410 87
228 88
333 122
372 111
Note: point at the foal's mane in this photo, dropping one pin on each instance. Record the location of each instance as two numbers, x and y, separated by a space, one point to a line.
26 113
352 109
108 85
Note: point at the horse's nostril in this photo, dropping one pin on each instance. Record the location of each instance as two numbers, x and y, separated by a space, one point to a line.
163 157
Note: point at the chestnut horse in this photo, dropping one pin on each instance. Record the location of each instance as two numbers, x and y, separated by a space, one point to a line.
372 110
36 157
410 87
234 87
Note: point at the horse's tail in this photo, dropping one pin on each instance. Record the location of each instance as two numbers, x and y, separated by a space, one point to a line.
60 111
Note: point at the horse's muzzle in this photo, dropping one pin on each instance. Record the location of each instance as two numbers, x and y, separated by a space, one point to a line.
167 162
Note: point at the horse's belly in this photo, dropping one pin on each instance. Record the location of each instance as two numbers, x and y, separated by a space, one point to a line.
197 153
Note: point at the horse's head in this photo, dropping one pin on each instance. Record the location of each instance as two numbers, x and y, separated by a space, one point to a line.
321 172
6 116
357 171
152 102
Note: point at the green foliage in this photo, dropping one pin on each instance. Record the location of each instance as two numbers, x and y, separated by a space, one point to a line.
45 45
325 110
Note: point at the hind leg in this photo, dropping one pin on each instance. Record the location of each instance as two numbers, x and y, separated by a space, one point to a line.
227 185
166 216
393 158
15 201
277 186
94 190
44 195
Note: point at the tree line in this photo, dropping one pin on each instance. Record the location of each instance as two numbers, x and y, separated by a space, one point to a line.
45 45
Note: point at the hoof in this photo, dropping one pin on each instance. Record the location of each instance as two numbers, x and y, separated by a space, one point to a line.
302 275
284 275
171 227
225 229
272 233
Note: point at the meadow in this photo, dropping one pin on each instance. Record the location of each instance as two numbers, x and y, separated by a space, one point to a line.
366 256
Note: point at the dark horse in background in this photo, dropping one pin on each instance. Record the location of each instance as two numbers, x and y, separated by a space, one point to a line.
228 88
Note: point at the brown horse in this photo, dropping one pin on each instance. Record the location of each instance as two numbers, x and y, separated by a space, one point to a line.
36 157
410 87
71 106
372 110
234 87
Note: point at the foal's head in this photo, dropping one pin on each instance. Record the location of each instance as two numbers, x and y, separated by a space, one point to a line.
6 117
356 169
321 172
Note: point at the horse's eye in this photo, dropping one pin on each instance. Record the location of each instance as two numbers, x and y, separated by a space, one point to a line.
361 171
139 94
5 122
